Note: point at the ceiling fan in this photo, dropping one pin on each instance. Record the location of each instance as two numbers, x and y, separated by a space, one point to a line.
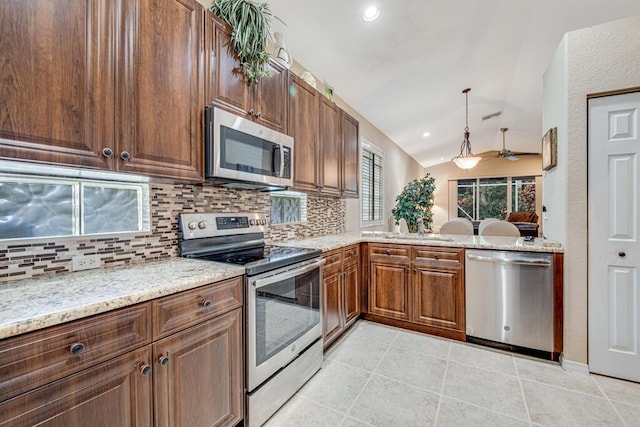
508 154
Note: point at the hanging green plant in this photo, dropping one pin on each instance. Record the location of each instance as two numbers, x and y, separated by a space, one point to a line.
416 200
249 24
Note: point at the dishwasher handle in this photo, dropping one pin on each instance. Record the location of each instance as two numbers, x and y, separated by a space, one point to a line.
520 261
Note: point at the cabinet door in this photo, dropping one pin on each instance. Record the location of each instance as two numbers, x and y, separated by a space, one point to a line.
270 101
114 393
226 86
332 322
351 286
389 290
58 81
439 297
163 106
201 382
303 127
350 156
330 148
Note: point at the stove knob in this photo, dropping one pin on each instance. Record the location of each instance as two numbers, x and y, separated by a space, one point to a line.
202 225
263 221
252 222
193 225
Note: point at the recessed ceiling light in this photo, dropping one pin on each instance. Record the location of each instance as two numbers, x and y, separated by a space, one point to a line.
371 13
426 135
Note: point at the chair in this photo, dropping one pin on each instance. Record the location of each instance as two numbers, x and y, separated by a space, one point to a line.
484 223
522 217
457 226
500 228
527 222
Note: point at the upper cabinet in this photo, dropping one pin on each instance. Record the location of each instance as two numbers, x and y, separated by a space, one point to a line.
303 127
330 148
112 85
58 81
350 155
263 102
163 102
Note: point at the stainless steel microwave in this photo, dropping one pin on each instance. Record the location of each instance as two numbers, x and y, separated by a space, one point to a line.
240 153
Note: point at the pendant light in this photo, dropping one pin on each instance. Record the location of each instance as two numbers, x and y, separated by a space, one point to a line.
466 159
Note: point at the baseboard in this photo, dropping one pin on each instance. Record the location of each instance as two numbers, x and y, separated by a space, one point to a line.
571 366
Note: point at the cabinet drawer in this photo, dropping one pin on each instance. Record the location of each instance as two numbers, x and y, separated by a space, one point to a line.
31 360
390 253
430 255
333 258
176 312
351 254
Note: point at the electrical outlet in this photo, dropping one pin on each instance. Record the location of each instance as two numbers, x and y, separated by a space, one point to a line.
85 262
291 234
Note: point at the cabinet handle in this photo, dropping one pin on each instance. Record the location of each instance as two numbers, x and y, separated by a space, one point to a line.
415 271
251 112
435 255
258 115
388 251
107 152
125 155
206 303
164 360
333 259
408 270
76 348
145 369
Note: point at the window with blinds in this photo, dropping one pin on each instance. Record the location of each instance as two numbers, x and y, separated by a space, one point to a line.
371 194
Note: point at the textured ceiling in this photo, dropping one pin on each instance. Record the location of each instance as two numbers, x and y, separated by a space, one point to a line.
405 72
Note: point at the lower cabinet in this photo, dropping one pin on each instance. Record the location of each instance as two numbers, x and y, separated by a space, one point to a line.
340 292
417 287
112 370
198 373
116 393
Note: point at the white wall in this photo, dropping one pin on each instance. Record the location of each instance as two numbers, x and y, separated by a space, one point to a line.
588 61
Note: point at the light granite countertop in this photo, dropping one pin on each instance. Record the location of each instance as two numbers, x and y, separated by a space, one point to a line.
335 241
32 304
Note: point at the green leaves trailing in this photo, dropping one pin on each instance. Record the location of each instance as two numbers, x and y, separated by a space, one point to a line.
249 23
416 200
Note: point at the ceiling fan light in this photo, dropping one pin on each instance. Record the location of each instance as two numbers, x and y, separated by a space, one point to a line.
467 162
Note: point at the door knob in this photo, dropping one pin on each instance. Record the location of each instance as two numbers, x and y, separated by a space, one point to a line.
107 152
125 155
621 254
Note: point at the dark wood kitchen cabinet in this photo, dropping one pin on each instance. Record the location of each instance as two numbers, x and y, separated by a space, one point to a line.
58 81
341 292
113 85
417 287
350 155
162 89
330 182
181 351
198 378
264 102
303 126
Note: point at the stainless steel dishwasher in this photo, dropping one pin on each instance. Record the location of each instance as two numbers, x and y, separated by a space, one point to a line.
509 298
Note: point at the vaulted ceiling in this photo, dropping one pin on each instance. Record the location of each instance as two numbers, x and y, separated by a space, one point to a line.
405 72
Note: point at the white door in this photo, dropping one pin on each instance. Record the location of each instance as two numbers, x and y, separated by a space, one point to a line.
614 251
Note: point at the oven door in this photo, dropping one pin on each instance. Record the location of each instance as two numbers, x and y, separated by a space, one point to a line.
284 316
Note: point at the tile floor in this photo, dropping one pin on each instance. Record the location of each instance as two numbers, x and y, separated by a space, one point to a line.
382 376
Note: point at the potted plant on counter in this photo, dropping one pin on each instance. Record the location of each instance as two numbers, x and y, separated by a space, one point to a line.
249 24
415 201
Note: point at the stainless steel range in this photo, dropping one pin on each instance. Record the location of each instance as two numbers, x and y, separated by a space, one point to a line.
283 328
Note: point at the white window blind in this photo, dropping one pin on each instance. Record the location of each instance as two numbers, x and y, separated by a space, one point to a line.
371 186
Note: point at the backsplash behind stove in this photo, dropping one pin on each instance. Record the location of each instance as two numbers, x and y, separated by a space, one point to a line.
24 259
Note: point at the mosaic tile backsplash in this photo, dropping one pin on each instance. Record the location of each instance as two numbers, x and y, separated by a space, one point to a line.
24 259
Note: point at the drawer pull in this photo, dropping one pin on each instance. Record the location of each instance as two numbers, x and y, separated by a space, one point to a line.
206 303
145 370
388 251
164 360
76 348
435 255
333 259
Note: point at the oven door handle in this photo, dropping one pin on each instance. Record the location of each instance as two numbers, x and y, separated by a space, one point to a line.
258 283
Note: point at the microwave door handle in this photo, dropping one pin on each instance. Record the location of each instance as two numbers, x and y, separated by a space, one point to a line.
277 160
